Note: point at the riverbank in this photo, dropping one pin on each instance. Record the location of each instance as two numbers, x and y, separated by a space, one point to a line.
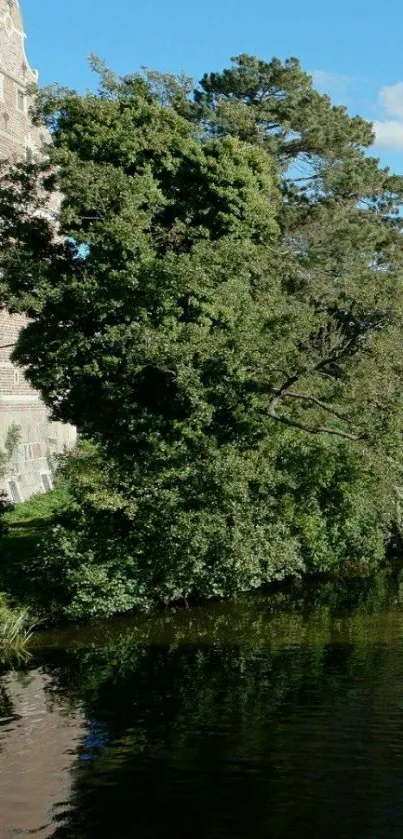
30 591
24 527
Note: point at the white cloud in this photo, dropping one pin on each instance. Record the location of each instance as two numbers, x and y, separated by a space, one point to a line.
392 100
389 131
388 128
389 134
334 84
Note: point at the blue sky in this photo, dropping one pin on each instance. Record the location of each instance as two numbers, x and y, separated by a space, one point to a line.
352 47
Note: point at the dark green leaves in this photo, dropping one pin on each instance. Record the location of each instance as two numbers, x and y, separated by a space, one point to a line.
222 303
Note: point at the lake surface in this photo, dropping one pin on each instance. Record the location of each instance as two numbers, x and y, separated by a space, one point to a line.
272 717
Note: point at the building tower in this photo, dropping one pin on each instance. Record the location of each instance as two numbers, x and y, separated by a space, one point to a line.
27 437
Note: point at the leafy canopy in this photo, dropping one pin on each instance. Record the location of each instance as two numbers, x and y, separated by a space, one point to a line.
221 303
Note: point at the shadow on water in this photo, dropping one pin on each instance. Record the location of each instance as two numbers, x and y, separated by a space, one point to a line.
259 719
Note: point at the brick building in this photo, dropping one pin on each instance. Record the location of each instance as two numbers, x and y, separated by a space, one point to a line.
25 430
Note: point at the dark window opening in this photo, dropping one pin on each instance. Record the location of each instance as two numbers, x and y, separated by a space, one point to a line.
21 100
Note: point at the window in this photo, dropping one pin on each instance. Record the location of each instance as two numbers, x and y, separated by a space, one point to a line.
28 451
21 100
47 481
14 492
29 155
16 377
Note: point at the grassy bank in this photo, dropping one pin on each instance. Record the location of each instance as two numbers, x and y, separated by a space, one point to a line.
38 512
27 524
26 527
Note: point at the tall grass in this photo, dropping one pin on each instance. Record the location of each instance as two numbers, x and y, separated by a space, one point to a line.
16 629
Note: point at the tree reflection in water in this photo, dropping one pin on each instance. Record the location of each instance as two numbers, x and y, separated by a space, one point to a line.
244 741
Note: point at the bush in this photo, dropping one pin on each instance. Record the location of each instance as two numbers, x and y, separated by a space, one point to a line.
5 507
237 524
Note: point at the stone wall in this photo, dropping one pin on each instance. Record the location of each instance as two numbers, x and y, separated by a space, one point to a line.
28 470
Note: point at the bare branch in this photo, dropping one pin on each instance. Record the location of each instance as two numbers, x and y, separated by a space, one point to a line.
313 429
306 178
284 391
305 396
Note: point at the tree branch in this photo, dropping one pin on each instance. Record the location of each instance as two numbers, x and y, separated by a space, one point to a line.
313 429
306 178
284 391
305 396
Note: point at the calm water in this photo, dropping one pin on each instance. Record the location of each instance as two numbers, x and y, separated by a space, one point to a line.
270 718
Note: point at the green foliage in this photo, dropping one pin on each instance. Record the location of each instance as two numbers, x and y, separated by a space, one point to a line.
13 439
15 631
5 507
24 528
221 315
251 524
39 510
3 463
332 503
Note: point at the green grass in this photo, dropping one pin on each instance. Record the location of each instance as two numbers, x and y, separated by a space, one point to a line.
26 527
39 511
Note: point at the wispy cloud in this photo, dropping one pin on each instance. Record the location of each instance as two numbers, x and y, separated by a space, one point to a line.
391 98
388 127
388 134
335 84
389 131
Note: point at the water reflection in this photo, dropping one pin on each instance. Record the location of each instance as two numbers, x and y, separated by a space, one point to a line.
295 732
37 747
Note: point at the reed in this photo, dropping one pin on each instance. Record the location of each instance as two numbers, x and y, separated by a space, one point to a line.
16 628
